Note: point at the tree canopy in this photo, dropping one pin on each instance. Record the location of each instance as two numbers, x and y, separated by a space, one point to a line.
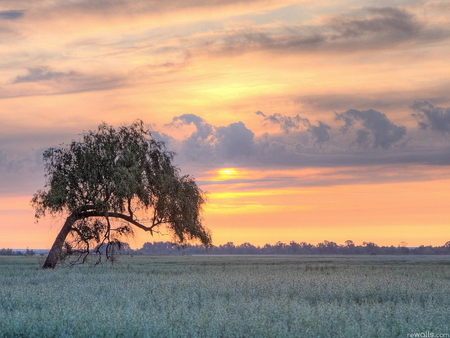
117 174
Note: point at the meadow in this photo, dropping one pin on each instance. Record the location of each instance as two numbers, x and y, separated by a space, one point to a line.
211 296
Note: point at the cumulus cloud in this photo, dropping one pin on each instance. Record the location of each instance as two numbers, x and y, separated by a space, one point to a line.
375 130
320 132
204 129
211 144
162 137
207 146
234 141
300 143
287 124
197 147
433 117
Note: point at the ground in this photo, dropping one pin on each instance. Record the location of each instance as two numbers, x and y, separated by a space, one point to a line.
211 296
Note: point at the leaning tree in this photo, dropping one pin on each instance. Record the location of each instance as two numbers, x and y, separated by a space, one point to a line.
111 180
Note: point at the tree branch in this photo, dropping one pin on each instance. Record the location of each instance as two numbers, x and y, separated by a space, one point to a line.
129 207
130 219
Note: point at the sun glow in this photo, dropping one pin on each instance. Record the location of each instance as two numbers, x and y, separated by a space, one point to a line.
226 174
228 171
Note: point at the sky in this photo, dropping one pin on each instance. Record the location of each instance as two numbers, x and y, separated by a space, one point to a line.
303 120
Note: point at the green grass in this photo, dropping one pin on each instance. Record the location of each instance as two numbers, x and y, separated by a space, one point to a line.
227 297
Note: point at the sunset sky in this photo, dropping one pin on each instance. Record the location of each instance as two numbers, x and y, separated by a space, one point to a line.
303 120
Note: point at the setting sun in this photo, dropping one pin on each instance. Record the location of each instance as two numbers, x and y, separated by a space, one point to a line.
227 173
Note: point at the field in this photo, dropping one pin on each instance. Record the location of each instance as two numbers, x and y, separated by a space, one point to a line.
284 296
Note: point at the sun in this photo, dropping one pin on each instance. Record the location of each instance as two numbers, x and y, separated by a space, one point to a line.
227 173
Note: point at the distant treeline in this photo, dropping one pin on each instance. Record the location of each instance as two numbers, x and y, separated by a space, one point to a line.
11 252
279 248
293 248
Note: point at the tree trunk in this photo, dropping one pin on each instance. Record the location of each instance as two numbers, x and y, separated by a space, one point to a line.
54 254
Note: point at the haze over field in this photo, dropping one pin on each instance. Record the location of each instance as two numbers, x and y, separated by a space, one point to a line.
304 120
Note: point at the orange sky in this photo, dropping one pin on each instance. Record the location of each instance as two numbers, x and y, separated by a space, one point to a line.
304 120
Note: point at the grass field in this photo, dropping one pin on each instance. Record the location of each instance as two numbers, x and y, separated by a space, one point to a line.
374 296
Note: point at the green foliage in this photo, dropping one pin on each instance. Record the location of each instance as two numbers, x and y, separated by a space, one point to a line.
227 297
115 174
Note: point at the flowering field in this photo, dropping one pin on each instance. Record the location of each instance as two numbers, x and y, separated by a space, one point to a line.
283 296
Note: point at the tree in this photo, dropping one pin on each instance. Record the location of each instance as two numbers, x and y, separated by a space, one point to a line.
103 182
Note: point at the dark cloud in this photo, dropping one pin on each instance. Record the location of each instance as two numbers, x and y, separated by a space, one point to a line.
307 146
11 14
381 100
391 24
365 29
43 74
163 137
286 123
234 141
3 157
432 117
290 123
210 144
320 132
57 82
20 171
376 130
204 130
199 146
108 8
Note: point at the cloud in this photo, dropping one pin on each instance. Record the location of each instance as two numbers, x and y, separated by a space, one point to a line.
199 146
44 74
44 80
204 130
120 9
320 132
207 146
20 171
301 143
162 137
431 116
376 130
286 123
389 23
234 141
364 29
368 28
3 157
11 14
211 144
290 123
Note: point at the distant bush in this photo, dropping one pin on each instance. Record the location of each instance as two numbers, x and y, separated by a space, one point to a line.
10 252
279 248
293 248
